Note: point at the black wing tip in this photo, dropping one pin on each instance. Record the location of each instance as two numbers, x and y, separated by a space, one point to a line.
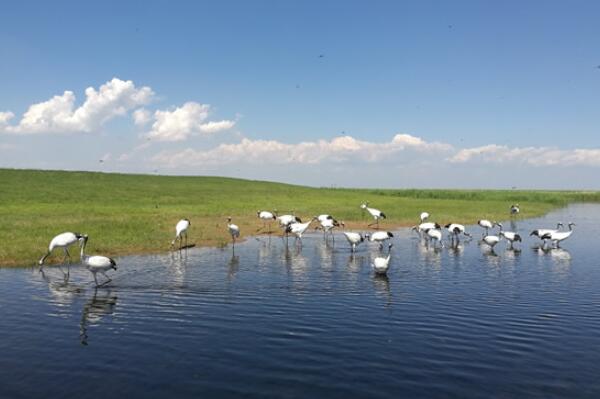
390 234
112 261
383 215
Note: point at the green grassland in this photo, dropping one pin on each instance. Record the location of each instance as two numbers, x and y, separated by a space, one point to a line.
128 214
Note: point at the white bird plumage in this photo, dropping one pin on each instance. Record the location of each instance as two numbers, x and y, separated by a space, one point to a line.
540 233
96 263
435 235
424 216
486 224
233 229
380 237
381 264
267 217
298 228
558 236
510 236
285 220
376 213
354 239
455 229
64 241
181 229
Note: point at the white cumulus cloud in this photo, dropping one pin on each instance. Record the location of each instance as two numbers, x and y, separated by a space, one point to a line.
533 156
183 122
60 115
337 150
141 116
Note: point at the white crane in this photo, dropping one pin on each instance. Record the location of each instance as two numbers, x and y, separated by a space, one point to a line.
181 230
424 216
96 263
540 233
558 236
435 235
64 241
486 224
298 229
234 230
491 240
423 227
380 237
510 236
376 213
327 223
455 229
515 209
285 220
353 238
380 264
267 217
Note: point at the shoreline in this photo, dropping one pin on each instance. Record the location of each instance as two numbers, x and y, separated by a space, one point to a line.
53 260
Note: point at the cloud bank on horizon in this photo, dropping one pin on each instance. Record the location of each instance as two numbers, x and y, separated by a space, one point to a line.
185 139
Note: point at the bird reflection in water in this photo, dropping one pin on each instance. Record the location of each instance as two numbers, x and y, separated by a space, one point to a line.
456 248
97 307
295 262
63 292
381 282
234 266
355 262
325 251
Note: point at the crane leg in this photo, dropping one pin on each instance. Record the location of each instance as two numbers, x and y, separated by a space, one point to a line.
95 279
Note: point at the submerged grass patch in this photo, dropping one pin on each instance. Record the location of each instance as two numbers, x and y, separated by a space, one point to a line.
127 214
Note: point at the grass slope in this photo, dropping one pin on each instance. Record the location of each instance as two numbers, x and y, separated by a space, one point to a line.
126 214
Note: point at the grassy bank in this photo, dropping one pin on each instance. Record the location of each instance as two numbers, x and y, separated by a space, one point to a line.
127 214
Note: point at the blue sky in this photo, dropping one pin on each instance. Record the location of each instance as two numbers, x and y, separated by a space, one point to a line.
500 94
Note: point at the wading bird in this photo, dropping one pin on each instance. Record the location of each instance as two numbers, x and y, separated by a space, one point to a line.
64 241
298 229
486 224
558 236
234 230
380 237
455 229
380 264
435 235
96 263
514 209
267 217
327 223
491 240
423 227
376 213
353 238
424 216
540 233
181 230
285 220
510 236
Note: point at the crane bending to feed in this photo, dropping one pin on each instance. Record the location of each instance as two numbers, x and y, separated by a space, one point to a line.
64 241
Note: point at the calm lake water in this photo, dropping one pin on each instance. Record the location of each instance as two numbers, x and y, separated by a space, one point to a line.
278 322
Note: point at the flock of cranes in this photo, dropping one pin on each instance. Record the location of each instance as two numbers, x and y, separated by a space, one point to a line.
290 224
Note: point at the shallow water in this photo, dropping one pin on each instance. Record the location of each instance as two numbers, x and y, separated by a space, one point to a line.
272 321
